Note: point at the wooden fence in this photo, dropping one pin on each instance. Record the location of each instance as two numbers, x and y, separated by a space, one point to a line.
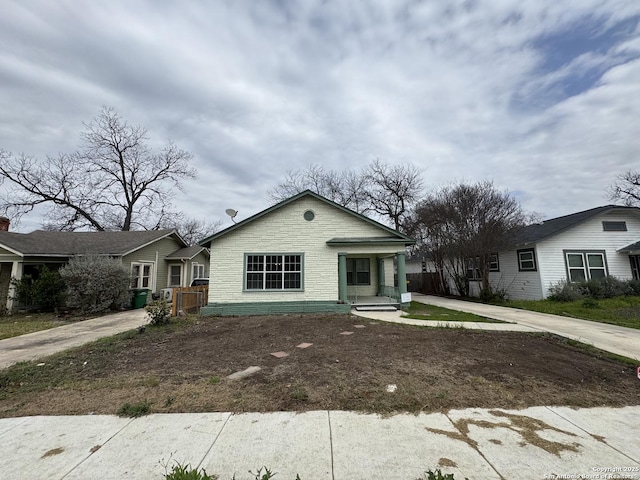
189 299
427 283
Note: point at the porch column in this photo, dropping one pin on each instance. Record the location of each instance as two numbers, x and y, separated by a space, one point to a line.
380 277
16 272
342 277
402 273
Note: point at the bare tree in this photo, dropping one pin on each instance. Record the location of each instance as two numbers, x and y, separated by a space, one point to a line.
345 188
192 230
393 189
387 190
461 226
626 188
113 182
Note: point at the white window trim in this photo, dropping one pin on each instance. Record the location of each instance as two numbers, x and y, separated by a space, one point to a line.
152 277
264 272
171 265
197 265
586 268
533 259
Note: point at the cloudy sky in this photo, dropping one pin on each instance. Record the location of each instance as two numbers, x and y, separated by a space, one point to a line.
542 97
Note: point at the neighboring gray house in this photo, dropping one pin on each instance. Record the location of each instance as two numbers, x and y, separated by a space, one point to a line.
156 258
584 245
305 254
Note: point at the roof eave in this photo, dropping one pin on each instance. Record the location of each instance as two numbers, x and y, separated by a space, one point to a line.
207 241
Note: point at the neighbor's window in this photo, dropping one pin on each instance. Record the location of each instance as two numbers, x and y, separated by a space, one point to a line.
175 275
198 271
526 260
494 264
141 275
273 272
585 266
614 226
358 271
473 268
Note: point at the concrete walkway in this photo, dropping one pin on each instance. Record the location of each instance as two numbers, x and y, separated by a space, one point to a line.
535 443
33 346
612 338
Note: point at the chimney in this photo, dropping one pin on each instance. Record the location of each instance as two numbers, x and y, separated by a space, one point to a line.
4 224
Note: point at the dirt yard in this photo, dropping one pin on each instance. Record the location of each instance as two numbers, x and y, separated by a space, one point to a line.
183 369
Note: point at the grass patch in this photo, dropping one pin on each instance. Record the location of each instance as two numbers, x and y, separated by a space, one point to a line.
20 324
621 311
134 410
420 311
83 364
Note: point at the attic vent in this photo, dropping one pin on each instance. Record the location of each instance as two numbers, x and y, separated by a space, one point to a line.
309 215
614 226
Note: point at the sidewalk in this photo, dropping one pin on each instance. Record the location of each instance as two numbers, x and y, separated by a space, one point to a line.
612 338
47 342
480 444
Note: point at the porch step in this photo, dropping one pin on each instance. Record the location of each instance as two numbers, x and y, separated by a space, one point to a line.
375 308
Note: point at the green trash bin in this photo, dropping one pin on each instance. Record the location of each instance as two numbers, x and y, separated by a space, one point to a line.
139 298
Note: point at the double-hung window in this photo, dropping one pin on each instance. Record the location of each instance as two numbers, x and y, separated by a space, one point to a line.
527 260
358 271
175 275
273 272
494 263
141 275
585 265
198 271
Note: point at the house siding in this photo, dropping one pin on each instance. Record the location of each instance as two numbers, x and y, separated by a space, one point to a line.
550 256
152 253
588 236
518 285
286 231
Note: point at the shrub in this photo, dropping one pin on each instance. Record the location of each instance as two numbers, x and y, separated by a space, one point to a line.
159 312
607 287
96 284
493 295
633 287
564 291
47 291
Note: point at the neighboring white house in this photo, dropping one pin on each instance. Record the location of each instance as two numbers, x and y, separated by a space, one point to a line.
585 245
305 254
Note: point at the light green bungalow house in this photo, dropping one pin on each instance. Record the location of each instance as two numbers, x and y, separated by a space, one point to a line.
305 254
157 259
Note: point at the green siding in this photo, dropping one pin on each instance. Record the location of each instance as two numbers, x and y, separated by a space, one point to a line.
270 308
147 254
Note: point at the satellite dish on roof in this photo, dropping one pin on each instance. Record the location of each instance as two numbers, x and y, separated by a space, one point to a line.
232 213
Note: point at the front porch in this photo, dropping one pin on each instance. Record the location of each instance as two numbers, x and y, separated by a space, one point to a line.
367 281
375 303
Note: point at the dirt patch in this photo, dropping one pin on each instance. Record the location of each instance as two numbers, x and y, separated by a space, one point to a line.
183 368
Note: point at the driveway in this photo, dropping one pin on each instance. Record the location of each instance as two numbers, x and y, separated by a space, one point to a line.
612 338
47 342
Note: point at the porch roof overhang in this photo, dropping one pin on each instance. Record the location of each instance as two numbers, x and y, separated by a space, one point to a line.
369 241
633 248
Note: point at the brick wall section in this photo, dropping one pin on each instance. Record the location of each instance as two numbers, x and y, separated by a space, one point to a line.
286 231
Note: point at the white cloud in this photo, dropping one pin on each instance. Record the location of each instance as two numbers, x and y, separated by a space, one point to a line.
254 89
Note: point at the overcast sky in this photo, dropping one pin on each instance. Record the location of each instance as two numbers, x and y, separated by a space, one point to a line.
542 97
